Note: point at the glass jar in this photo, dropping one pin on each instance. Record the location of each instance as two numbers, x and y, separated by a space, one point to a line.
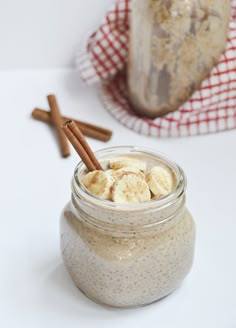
127 255
174 44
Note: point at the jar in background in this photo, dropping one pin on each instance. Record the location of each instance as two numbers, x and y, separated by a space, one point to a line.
127 255
174 44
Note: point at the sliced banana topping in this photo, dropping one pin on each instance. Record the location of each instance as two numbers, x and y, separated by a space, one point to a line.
130 188
120 162
160 181
99 184
116 174
124 181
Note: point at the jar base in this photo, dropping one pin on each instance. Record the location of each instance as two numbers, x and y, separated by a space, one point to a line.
134 306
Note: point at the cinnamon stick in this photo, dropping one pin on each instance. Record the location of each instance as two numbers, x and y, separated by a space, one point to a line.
81 146
87 129
56 120
79 136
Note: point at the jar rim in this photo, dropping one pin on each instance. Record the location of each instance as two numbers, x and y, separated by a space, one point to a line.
80 191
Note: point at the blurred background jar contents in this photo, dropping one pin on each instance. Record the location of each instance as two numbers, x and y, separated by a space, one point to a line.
174 44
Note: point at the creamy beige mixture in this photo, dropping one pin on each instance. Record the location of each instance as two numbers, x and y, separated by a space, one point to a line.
120 255
174 44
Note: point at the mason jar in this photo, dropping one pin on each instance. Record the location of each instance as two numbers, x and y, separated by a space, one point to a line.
127 255
174 45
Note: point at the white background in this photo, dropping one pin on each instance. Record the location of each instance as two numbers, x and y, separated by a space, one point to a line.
45 33
35 289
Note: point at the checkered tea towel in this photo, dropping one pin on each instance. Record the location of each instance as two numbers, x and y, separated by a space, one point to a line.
210 109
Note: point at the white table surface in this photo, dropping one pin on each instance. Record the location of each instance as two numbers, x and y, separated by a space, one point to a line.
35 289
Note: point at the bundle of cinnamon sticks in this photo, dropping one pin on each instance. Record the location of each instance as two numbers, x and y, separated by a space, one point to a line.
55 118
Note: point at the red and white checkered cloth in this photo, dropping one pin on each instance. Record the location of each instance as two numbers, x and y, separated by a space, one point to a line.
210 109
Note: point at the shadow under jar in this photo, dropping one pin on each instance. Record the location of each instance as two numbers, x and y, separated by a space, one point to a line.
127 255
174 44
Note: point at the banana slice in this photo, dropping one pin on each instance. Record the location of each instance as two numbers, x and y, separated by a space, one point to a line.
110 172
120 162
99 184
130 188
116 174
160 181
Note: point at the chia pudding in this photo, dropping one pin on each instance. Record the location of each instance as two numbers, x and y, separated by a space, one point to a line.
132 254
174 44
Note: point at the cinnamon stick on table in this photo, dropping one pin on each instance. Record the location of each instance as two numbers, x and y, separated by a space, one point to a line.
57 122
81 146
87 129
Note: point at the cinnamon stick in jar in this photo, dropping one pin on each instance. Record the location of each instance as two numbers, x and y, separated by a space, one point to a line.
79 136
57 122
81 146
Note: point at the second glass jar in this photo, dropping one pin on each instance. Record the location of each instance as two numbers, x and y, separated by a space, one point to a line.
174 44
